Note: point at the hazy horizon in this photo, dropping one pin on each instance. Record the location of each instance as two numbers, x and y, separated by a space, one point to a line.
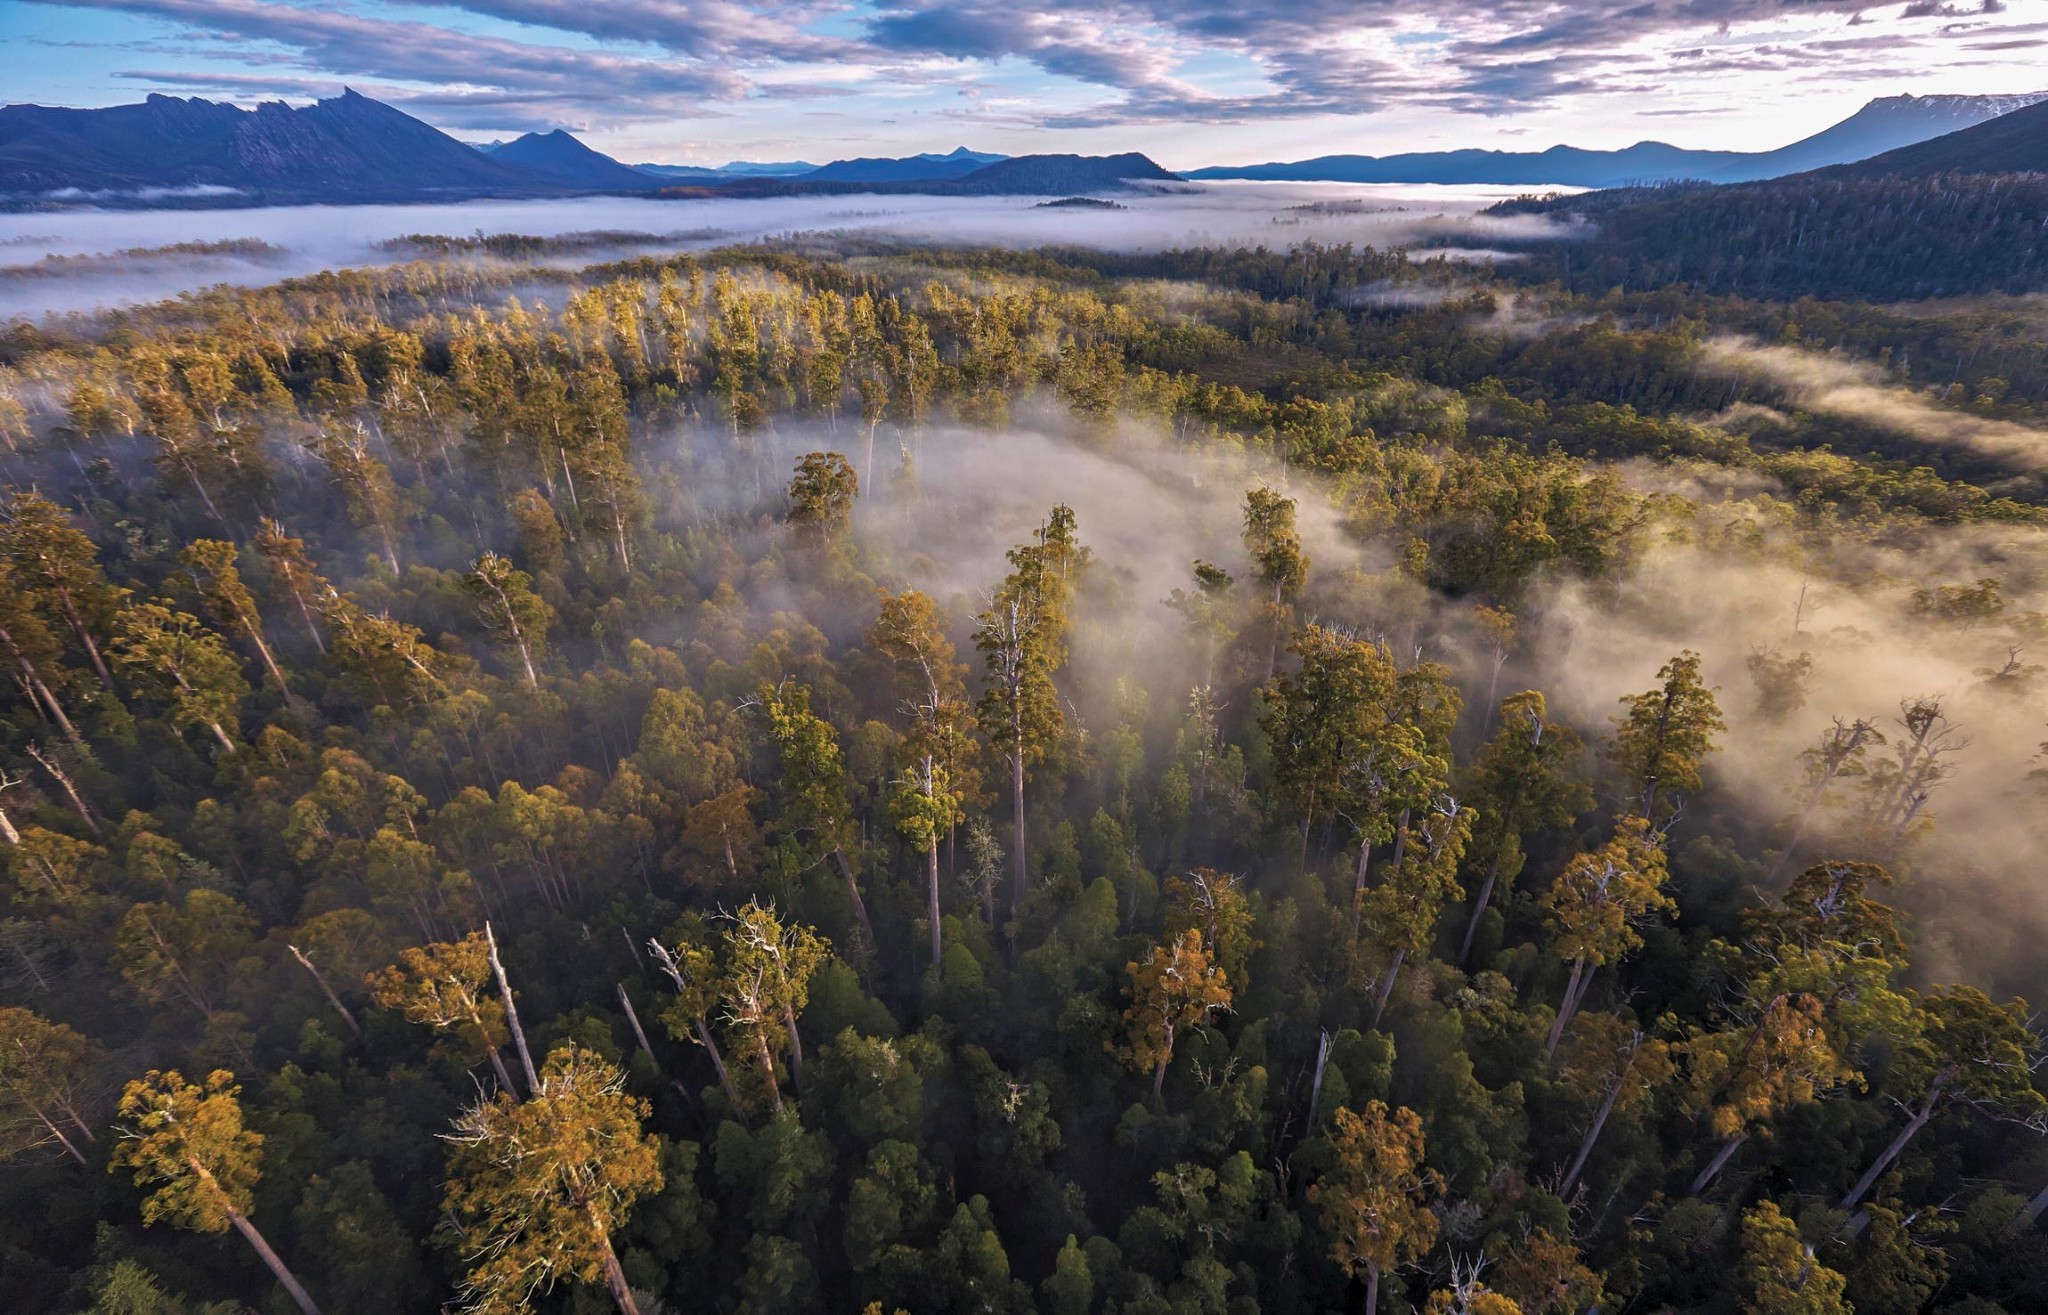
74 260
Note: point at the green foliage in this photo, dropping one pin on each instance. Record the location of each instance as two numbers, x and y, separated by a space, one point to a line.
350 612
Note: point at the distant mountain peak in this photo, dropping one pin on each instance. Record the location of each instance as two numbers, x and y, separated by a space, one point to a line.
1884 123
562 156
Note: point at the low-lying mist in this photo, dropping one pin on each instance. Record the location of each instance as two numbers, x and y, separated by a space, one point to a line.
1859 391
315 238
1148 505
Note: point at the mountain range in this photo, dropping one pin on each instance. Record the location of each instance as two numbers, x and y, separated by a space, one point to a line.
1882 125
350 148
957 163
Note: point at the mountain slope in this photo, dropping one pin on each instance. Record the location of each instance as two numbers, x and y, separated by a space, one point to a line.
1887 124
165 141
913 168
362 147
1059 175
347 148
560 156
2015 143
1881 125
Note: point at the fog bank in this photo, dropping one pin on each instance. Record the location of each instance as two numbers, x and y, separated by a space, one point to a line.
316 238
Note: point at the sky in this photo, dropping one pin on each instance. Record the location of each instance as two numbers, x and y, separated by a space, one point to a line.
1190 82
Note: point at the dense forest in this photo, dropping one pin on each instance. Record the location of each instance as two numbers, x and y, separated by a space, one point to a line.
1818 235
847 778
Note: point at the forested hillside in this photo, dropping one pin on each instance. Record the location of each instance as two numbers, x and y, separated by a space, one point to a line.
944 781
1836 234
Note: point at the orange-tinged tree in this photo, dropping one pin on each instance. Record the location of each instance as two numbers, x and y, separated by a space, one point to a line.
187 1142
542 1184
447 986
1178 987
44 1068
1594 905
1826 938
1745 1078
1373 1202
1215 904
1611 1064
764 984
227 600
1544 1276
1778 1274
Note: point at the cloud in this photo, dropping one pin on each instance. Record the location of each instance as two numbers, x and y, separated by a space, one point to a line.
1101 62
700 29
341 44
